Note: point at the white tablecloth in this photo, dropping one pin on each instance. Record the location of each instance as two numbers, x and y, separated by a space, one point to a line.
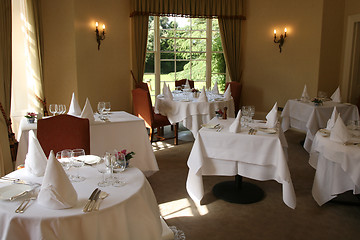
310 118
261 157
129 212
337 168
121 131
192 113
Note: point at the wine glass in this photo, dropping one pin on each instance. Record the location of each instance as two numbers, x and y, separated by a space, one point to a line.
64 108
120 167
110 160
251 113
245 115
65 160
77 163
101 107
107 108
53 108
60 109
101 167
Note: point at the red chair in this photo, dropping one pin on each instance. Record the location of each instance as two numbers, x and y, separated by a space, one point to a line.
63 132
143 109
180 83
235 88
142 85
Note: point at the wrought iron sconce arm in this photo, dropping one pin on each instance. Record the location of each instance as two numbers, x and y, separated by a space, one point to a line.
99 37
281 40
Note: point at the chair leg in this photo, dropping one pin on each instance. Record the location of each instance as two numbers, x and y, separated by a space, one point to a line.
176 126
151 134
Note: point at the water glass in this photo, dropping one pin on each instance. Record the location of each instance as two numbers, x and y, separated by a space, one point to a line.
102 168
77 163
107 108
53 108
101 108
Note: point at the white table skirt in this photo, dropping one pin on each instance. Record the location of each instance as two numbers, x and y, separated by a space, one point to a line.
310 118
261 157
129 212
192 114
122 131
337 168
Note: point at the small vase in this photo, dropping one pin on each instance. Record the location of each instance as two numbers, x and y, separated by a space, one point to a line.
31 120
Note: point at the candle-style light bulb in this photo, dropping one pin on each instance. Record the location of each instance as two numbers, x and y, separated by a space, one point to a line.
285 30
103 26
274 34
96 24
274 31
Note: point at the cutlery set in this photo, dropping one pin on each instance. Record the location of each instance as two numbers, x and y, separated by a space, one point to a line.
94 200
24 204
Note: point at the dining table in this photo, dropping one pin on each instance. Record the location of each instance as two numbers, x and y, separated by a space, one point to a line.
128 212
191 112
259 154
120 130
337 166
309 118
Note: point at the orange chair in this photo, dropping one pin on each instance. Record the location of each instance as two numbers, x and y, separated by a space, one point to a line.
235 88
63 132
180 83
143 109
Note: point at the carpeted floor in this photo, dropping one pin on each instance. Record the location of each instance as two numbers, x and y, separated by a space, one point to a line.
265 220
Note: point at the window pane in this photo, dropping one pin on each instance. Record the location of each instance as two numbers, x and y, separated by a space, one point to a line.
167 67
167 55
220 79
183 56
199 45
218 63
198 56
185 73
150 43
198 70
216 42
215 24
182 34
166 44
149 63
198 34
183 45
199 85
198 24
180 65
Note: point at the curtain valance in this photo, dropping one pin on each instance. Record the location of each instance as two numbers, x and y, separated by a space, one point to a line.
189 8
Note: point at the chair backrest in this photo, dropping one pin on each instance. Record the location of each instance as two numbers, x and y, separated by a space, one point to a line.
180 83
63 132
235 88
142 106
142 85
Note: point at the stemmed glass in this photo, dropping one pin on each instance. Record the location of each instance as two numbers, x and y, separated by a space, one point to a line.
245 111
110 160
120 167
77 163
101 107
101 167
53 108
63 109
107 108
251 113
60 108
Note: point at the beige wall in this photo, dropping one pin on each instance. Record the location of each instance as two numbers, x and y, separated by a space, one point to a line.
270 76
72 60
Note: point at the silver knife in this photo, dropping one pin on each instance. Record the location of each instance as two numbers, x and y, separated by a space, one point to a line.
90 199
96 197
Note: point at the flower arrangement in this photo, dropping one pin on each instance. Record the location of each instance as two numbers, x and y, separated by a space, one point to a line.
317 101
30 115
128 155
195 90
219 113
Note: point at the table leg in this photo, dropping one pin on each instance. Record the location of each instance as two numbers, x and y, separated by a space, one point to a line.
238 191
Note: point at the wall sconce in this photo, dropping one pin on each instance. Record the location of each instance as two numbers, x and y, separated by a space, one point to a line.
281 40
99 37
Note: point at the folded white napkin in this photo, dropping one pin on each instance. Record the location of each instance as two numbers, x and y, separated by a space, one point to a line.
305 96
203 97
164 89
339 132
227 94
56 192
331 122
35 161
74 108
187 84
272 117
168 93
235 127
87 111
336 97
215 89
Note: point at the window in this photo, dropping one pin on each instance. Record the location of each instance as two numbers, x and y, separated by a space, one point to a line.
181 48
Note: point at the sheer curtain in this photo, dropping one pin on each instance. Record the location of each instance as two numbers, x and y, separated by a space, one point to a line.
26 79
5 84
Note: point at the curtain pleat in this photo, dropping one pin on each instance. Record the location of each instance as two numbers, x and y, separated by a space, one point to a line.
139 36
5 84
230 31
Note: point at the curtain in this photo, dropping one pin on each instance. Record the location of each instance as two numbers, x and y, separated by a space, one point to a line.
139 36
230 31
5 84
189 8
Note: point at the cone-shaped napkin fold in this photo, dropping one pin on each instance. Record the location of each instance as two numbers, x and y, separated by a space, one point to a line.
331 122
271 117
215 89
202 96
187 84
74 108
305 96
35 161
336 97
339 132
227 94
167 93
87 111
235 127
56 192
